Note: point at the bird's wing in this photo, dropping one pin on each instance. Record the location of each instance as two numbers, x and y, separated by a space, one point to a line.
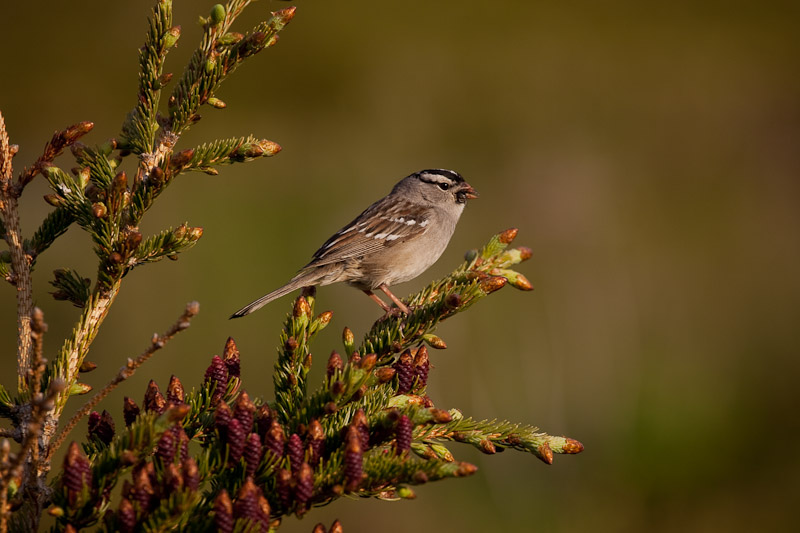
384 223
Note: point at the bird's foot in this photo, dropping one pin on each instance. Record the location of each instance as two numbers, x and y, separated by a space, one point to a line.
391 312
397 312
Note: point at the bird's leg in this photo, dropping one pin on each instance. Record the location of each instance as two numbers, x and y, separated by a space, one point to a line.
378 301
403 307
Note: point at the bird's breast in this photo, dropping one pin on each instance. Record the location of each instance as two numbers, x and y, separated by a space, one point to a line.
406 260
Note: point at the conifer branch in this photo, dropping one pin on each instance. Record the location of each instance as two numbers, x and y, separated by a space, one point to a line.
71 286
368 430
109 206
5 465
484 272
489 435
294 357
218 55
82 503
7 406
6 270
21 272
474 279
96 166
54 225
228 151
24 468
72 353
38 365
40 406
125 372
54 148
168 243
380 464
70 195
140 127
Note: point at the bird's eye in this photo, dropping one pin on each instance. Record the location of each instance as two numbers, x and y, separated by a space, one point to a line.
443 186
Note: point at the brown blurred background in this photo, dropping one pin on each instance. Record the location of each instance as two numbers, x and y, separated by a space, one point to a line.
647 153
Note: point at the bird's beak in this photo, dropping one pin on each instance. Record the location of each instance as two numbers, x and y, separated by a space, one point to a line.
468 192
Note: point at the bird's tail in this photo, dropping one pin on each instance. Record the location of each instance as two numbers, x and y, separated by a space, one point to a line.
274 295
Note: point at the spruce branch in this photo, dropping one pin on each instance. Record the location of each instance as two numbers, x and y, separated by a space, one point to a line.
38 365
83 504
24 468
488 435
7 405
368 430
228 151
158 165
6 270
71 198
474 279
71 286
97 166
74 350
371 411
483 273
294 357
384 472
218 55
5 465
168 243
340 399
21 271
54 225
174 512
156 343
54 148
140 127
109 206
164 492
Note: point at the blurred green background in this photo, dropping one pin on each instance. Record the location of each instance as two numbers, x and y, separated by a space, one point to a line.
647 152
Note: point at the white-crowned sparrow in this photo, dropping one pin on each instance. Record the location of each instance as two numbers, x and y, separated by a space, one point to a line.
394 240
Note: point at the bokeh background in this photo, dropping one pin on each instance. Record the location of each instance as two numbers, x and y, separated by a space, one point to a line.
647 152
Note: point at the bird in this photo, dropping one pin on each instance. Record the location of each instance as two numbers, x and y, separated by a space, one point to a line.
394 240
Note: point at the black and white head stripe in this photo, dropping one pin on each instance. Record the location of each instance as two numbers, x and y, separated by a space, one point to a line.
440 175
